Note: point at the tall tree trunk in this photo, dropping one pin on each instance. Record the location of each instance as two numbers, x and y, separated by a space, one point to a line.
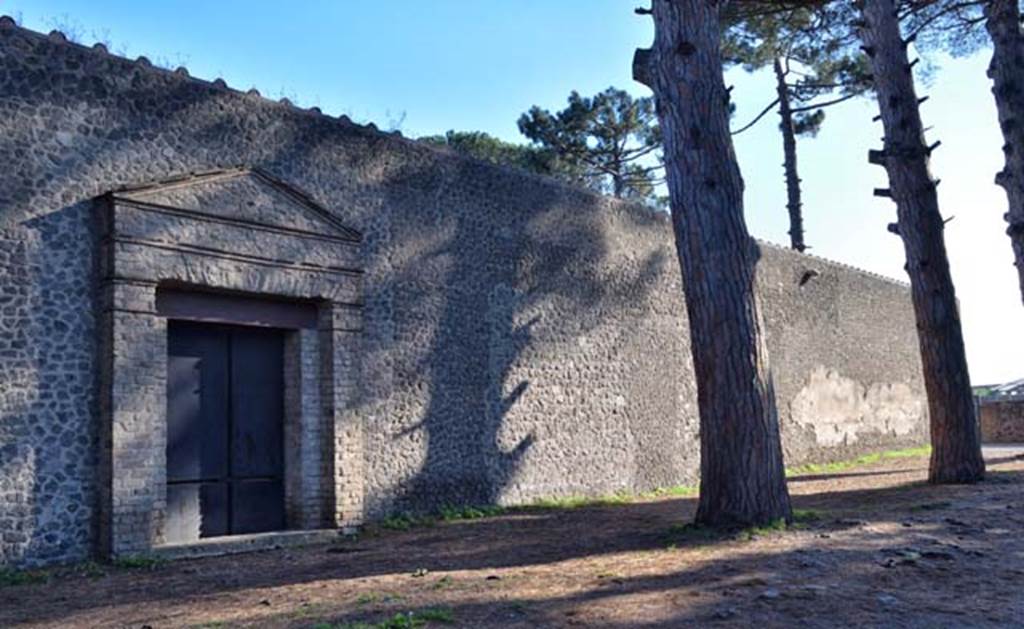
1007 73
956 451
793 202
742 479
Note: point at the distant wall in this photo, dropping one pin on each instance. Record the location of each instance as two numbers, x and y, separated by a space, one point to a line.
1002 422
521 338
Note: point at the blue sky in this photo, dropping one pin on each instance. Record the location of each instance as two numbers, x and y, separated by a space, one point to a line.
477 64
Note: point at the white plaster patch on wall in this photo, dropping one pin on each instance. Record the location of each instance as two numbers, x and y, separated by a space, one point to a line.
895 408
838 409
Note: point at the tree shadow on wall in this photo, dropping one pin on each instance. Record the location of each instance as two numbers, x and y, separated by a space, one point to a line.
485 283
471 255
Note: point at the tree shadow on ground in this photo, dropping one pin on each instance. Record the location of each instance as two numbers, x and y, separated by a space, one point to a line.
868 579
541 539
802 478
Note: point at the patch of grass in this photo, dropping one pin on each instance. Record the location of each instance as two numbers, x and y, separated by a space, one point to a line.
370 598
805 516
402 620
442 583
138 562
305 610
802 518
438 614
451 513
924 450
867 459
578 502
10 577
685 528
677 491
775 526
84 569
690 533
405 521
454 514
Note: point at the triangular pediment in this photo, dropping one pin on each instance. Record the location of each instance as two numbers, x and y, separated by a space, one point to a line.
244 195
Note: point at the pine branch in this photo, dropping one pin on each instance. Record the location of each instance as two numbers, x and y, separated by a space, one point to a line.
638 153
763 113
825 104
821 86
953 8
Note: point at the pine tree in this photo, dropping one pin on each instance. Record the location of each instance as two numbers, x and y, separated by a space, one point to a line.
815 57
611 139
1002 21
488 148
961 27
742 479
956 448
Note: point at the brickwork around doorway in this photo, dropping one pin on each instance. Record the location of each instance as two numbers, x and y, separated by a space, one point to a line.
183 234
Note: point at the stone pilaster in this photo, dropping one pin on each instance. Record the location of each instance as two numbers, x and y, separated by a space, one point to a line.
340 327
304 442
133 405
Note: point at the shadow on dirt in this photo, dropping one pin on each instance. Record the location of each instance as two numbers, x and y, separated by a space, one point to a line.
537 538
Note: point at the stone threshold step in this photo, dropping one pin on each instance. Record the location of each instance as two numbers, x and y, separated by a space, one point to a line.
234 544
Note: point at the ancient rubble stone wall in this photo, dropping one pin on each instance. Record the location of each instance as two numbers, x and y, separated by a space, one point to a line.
520 338
1002 422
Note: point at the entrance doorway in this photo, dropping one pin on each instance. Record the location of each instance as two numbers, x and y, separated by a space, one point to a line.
225 430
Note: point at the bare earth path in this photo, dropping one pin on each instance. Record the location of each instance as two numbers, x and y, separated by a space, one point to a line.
886 550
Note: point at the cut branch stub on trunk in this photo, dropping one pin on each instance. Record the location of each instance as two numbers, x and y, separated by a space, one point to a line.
956 448
742 479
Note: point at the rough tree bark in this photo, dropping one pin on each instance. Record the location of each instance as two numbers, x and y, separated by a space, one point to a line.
1007 73
956 451
742 478
793 202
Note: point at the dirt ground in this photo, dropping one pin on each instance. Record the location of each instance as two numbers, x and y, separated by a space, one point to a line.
884 550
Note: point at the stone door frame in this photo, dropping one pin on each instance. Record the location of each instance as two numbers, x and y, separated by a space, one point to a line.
147 248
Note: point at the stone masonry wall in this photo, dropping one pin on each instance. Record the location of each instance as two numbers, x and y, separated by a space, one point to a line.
519 338
1002 422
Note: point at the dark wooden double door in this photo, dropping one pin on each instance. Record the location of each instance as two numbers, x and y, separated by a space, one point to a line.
225 408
